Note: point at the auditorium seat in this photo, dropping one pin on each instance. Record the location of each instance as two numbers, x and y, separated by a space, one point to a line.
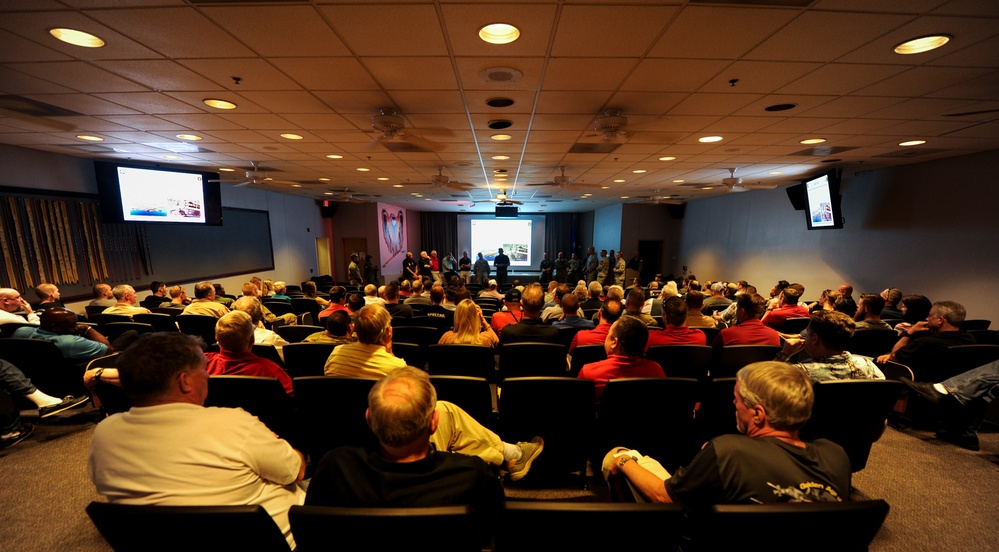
295 334
131 528
731 358
683 360
320 527
306 359
43 363
477 361
585 354
872 343
794 325
264 397
114 330
969 325
473 395
332 413
199 325
957 359
716 414
159 322
518 360
412 353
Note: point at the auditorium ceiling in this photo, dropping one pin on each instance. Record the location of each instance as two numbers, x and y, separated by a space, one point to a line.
381 100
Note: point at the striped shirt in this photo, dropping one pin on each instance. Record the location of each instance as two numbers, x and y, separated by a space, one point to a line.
360 360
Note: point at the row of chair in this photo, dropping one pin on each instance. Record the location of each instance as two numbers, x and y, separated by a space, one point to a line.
522 526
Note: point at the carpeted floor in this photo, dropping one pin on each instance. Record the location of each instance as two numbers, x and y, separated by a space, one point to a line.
941 497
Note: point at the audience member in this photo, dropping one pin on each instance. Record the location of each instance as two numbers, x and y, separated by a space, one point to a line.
234 333
868 315
915 309
748 330
310 292
824 350
417 296
633 307
124 295
339 330
261 335
76 342
220 296
169 450
371 295
440 315
892 298
676 332
470 327
12 302
571 314
787 308
48 297
511 313
102 296
554 312
338 301
964 400
919 344
158 297
695 301
178 298
204 302
846 304
624 345
609 313
530 328
252 290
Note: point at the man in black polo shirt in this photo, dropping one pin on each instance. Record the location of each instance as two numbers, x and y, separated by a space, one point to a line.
921 341
530 328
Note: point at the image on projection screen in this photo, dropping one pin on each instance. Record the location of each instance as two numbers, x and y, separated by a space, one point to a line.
160 196
514 236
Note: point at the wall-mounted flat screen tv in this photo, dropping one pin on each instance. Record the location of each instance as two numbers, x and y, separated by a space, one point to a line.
135 193
822 201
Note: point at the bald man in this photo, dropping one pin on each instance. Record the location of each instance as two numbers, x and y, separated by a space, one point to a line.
77 342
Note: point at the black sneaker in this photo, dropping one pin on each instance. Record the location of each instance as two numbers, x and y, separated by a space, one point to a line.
969 442
66 404
925 390
16 436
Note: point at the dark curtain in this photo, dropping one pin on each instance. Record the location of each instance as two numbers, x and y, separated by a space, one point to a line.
438 231
561 234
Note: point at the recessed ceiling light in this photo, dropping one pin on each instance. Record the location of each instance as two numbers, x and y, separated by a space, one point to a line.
667 158
499 171
191 137
912 143
638 171
323 179
327 193
90 138
678 181
292 136
811 141
776 172
363 169
709 139
334 156
922 44
625 197
499 124
499 33
171 157
77 38
619 180
501 137
219 104
501 157
296 185
706 187
382 178
226 169
605 187
427 199
397 185
499 102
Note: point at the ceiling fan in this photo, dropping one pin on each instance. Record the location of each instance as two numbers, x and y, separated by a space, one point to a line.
658 199
440 180
345 196
502 199
390 131
256 176
563 182
734 183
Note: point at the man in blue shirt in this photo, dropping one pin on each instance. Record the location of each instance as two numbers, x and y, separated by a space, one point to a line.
76 342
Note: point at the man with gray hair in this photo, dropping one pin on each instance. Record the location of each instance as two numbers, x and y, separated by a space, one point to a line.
717 297
409 468
125 298
767 463
920 342
371 357
204 302
261 335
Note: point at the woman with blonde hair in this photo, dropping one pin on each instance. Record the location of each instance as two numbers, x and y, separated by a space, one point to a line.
309 289
470 327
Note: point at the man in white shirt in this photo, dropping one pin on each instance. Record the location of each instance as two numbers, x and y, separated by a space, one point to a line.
11 302
170 450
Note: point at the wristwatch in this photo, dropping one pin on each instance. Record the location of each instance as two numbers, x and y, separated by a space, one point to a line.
624 460
97 374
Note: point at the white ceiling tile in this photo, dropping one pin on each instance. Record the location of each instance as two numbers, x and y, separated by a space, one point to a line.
673 75
16 82
79 75
402 30
819 36
617 31
150 103
158 74
412 73
919 81
82 103
286 101
711 32
326 73
254 74
173 32
586 73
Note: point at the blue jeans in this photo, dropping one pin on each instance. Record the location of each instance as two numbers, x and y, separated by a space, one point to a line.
12 381
973 384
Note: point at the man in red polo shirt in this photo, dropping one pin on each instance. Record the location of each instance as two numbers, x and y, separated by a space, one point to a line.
787 308
338 301
676 332
609 313
624 345
748 329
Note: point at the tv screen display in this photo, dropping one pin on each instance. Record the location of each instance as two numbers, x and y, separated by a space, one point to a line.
515 236
145 194
822 202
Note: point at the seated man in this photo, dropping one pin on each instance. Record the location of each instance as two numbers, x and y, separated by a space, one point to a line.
102 296
125 298
491 291
339 330
609 313
624 347
12 302
441 316
338 301
824 350
250 289
571 314
920 342
169 450
392 304
234 333
787 308
530 328
76 342
417 296
868 315
553 311
371 295
158 297
48 297
178 298
633 307
13 381
892 297
964 399
220 296
261 335
767 463
204 302
695 302
512 314
676 332
748 330
371 357
407 469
